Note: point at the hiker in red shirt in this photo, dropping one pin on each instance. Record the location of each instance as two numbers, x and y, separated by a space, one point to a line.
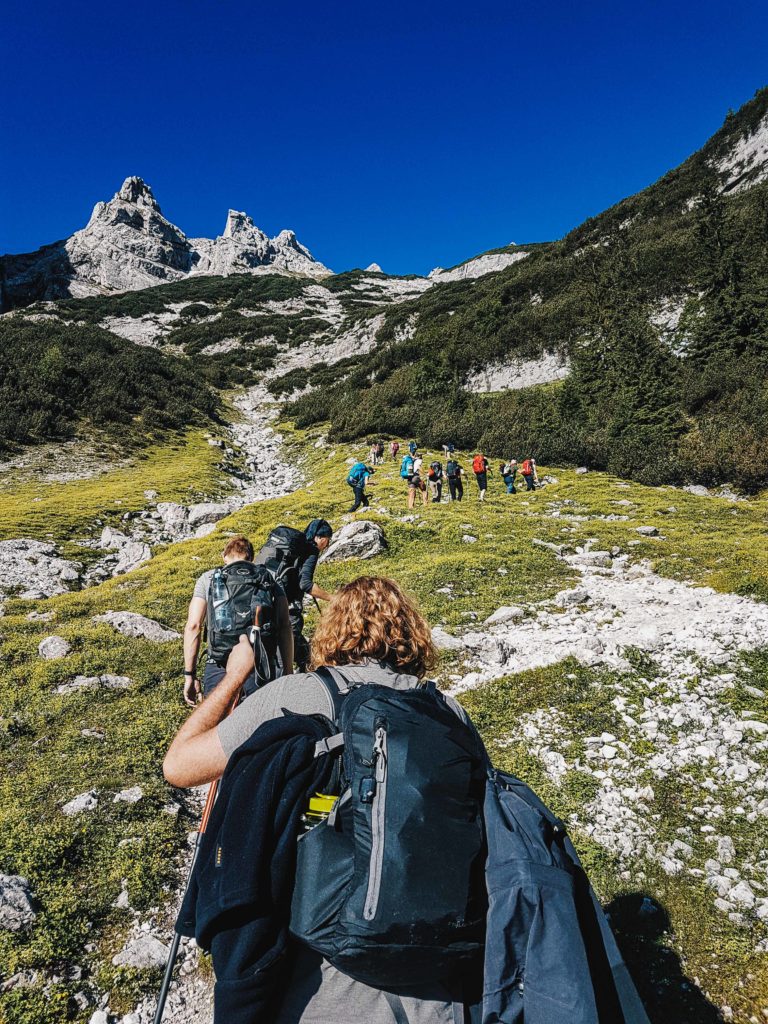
480 469
528 469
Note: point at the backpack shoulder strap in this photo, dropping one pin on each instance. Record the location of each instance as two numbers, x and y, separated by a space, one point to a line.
335 685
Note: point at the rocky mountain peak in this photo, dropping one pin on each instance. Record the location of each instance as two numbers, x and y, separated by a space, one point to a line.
128 244
239 225
136 190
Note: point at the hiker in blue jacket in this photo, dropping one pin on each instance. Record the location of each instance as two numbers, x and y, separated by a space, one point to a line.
357 479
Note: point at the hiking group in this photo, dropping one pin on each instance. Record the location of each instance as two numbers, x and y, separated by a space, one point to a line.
363 860
429 484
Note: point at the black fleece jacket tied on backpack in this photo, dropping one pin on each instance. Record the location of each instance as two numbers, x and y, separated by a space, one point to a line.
238 901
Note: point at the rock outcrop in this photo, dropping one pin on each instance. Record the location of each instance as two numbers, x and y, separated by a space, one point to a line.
488 263
128 244
245 248
33 569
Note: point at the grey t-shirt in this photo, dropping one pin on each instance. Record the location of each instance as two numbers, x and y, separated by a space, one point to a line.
203 584
303 694
318 993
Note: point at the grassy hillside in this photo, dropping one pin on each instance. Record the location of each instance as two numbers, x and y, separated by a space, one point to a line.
77 866
657 397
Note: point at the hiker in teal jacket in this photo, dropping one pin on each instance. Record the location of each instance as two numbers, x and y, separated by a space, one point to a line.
357 479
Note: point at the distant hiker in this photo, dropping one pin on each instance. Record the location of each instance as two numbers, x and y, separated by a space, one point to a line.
480 469
528 469
372 454
454 472
412 447
448 450
415 946
292 556
416 486
394 448
379 453
228 601
435 478
357 479
508 474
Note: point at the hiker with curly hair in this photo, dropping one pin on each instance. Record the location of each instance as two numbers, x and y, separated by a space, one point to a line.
370 633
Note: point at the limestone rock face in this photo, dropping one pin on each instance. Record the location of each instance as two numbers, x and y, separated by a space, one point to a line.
16 911
362 539
488 263
128 244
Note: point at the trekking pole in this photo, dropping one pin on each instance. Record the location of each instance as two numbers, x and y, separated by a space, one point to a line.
210 800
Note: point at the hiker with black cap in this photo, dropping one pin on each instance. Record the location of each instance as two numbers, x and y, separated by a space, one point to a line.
228 601
292 556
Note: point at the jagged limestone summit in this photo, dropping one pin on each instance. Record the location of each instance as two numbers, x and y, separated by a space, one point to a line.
128 244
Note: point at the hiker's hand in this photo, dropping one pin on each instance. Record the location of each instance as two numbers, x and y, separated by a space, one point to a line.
240 661
191 690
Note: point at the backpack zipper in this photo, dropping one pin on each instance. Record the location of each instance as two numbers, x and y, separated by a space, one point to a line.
378 812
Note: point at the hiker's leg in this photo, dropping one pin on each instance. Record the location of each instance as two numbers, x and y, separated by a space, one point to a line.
364 499
411 496
300 644
451 489
459 490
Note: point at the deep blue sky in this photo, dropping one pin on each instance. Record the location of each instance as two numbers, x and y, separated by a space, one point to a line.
410 134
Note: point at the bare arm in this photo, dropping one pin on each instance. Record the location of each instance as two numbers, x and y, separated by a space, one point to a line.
192 632
196 755
317 591
285 634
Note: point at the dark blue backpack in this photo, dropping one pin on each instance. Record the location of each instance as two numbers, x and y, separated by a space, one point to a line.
550 953
390 888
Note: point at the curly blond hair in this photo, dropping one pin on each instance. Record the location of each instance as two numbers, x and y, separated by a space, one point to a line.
371 618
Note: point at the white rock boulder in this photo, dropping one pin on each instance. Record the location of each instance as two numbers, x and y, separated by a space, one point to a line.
445 642
16 910
142 952
362 539
509 613
53 647
102 682
81 803
132 624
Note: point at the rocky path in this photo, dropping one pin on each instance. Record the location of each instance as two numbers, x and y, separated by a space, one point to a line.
253 464
678 726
